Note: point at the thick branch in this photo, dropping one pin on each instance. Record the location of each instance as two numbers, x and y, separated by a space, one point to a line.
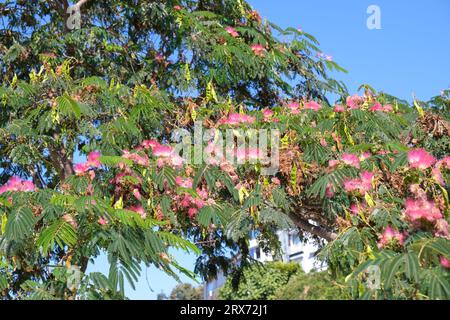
316 230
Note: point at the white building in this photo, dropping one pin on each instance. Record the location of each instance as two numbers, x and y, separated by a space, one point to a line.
292 250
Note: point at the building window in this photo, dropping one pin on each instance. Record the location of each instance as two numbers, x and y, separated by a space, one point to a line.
293 239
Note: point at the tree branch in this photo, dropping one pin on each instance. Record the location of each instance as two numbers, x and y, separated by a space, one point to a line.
316 230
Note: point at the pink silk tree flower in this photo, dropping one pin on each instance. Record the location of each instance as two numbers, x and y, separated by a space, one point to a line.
444 262
276 181
81 168
102 221
237 118
390 235
162 151
137 193
441 227
362 184
350 159
93 159
138 209
419 158
312 105
365 155
416 210
294 107
339 108
14 184
352 185
330 190
177 161
354 209
258 49
253 154
376 107
366 179
437 176
232 32
333 163
136 158
354 102
387 108
444 162
184 183
147 144
192 212
267 113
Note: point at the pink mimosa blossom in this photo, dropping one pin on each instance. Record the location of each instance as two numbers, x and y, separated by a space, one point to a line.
339 108
258 49
444 262
238 118
267 113
232 32
70 220
323 142
330 190
147 144
419 158
354 209
361 185
350 159
387 108
352 185
437 176
416 210
294 107
102 221
203 193
444 162
91 174
354 102
333 163
162 151
367 179
276 181
192 212
365 155
376 107
81 168
441 226
93 159
253 153
137 193
138 209
136 158
390 235
184 183
312 105
15 184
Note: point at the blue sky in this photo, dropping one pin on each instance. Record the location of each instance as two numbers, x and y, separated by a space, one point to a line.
409 54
